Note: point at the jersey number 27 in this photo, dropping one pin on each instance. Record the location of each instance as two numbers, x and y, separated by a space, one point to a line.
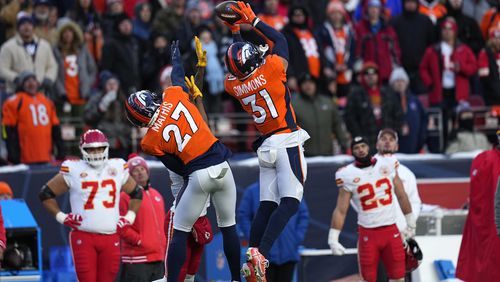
180 140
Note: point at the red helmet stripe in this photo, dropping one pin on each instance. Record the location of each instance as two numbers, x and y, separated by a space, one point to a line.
136 115
232 65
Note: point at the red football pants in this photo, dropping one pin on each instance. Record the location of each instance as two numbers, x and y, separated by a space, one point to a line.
380 243
194 250
96 256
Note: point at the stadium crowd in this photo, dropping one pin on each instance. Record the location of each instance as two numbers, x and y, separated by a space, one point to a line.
356 66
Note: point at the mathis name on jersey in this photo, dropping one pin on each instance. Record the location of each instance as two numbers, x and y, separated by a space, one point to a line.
165 109
250 86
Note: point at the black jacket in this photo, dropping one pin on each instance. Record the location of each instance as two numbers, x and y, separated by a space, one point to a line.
120 56
415 33
491 83
359 117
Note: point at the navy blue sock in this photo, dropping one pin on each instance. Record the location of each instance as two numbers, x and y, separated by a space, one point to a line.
176 254
259 222
231 250
287 208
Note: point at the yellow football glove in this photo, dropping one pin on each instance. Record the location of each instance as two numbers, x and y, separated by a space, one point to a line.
193 89
200 53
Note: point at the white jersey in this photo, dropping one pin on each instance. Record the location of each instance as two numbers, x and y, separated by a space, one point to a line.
372 191
410 185
95 193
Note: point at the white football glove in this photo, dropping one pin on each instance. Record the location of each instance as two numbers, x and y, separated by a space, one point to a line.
333 241
411 226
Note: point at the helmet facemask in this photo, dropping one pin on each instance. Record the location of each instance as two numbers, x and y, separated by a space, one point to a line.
95 160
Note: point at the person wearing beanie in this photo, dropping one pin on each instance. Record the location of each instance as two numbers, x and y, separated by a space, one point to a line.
468 29
415 33
489 72
29 115
445 70
26 51
304 58
143 242
360 183
121 55
414 121
371 107
5 191
376 41
105 110
41 16
466 138
336 38
319 116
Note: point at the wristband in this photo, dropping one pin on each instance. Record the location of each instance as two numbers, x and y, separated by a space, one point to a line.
60 217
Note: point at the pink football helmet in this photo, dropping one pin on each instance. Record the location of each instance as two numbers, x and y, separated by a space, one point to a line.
94 138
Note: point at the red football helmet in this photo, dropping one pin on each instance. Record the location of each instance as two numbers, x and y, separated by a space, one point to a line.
413 255
94 138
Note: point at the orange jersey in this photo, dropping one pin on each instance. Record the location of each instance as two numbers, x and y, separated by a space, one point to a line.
275 21
179 129
311 50
71 80
490 19
265 96
433 12
34 117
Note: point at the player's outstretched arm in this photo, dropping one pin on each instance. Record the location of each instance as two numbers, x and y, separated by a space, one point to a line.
197 96
278 40
201 64
177 75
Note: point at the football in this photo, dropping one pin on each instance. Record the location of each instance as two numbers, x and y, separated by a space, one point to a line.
224 12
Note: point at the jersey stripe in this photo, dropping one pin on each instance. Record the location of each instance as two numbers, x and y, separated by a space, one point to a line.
64 169
289 116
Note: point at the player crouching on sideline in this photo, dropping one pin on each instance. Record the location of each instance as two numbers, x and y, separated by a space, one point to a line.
370 183
143 243
258 81
94 185
179 137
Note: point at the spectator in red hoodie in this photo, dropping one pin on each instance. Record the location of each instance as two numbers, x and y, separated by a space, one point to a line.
143 243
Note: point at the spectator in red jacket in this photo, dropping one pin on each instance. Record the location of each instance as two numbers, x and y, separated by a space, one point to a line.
377 42
445 70
143 243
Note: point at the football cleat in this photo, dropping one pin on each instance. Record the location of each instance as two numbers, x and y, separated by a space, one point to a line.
248 272
259 263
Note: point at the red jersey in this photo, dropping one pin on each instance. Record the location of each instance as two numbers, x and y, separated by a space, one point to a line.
179 129
265 96
34 117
